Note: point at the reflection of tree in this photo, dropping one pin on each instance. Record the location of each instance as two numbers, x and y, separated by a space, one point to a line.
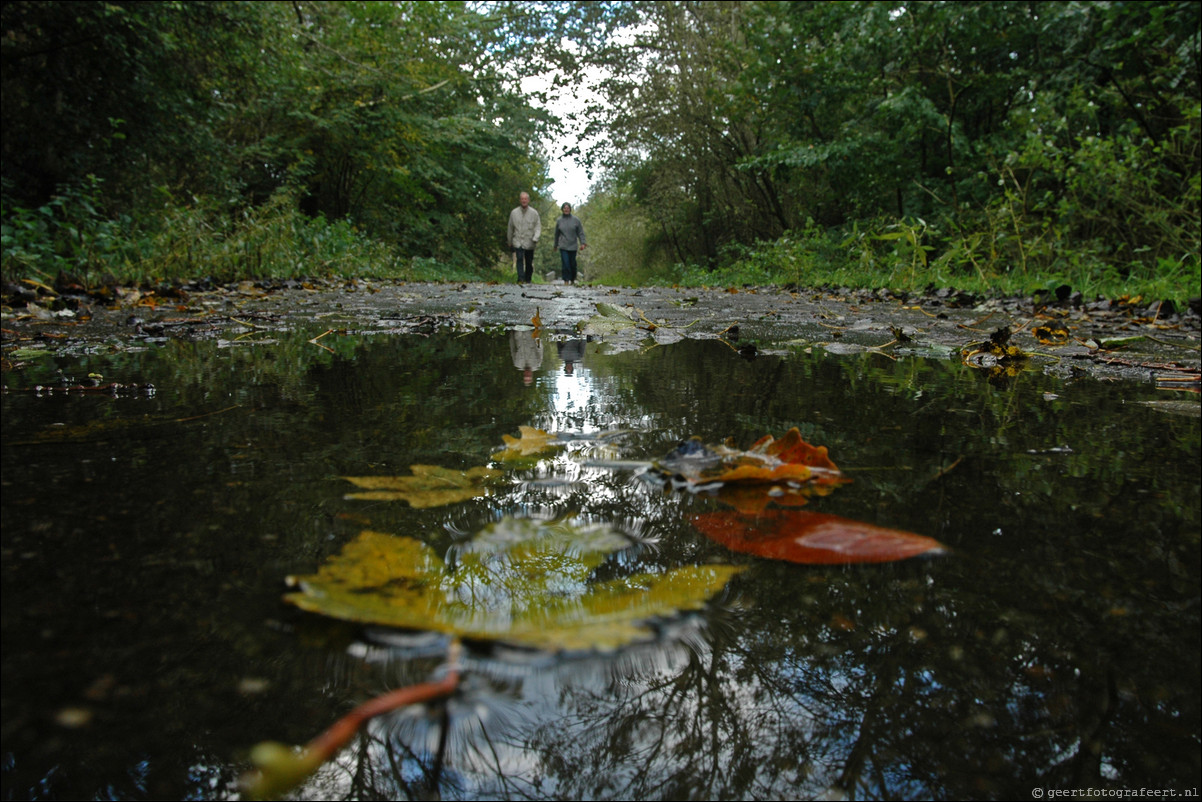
1059 642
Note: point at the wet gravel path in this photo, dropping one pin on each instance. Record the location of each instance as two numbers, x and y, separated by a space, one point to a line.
1066 336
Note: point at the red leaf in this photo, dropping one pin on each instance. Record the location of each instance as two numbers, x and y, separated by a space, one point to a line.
812 538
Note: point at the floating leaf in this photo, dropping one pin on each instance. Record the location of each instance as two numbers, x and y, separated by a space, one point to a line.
767 461
520 581
532 443
812 538
429 486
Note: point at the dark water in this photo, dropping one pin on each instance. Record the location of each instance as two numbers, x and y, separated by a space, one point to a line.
146 539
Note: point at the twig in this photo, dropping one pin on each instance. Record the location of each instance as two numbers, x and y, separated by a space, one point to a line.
207 414
944 471
314 341
244 323
282 769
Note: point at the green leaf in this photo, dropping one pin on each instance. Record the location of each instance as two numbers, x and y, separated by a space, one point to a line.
30 353
520 581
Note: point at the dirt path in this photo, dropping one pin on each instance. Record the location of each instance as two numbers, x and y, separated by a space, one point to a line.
1133 342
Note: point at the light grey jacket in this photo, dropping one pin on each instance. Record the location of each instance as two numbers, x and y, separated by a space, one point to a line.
569 233
524 228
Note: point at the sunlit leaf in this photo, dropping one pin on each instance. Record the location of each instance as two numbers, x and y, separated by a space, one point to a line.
532 443
429 486
520 581
812 538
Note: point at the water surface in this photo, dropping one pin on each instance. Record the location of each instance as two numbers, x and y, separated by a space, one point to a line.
146 538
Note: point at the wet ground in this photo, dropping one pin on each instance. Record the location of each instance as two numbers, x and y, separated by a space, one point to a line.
199 456
1061 334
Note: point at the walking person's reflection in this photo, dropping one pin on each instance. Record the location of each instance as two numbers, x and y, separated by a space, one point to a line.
526 348
571 352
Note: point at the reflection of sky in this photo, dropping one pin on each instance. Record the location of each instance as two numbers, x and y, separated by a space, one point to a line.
574 391
579 402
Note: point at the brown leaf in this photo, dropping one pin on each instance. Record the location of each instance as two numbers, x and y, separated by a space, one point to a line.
812 538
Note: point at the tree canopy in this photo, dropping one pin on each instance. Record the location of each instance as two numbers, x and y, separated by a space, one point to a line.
1015 130
404 118
932 139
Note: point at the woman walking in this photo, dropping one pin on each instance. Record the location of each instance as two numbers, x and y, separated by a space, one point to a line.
569 236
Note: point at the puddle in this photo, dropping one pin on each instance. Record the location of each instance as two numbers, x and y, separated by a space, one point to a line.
147 533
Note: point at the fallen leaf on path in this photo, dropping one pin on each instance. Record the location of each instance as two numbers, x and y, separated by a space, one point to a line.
1051 334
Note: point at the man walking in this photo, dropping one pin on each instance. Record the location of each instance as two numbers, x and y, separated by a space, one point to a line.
524 230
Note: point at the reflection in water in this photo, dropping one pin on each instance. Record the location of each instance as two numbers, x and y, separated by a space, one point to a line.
145 540
526 347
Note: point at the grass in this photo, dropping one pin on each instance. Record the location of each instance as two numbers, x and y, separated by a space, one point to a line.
277 241
916 262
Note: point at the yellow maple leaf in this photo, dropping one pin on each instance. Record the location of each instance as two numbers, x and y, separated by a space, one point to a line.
531 443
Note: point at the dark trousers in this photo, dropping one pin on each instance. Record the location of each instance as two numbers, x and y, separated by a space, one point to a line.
524 259
568 262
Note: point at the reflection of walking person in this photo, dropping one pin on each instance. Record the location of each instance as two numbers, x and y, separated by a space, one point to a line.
526 348
569 235
524 230
570 352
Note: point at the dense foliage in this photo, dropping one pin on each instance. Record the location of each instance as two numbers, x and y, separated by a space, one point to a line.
245 138
924 141
985 144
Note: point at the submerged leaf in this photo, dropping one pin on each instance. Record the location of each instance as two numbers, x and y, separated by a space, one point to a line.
754 498
524 582
812 538
429 486
532 443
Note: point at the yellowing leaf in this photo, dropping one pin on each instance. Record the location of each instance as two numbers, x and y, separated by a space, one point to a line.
520 581
429 486
1051 334
532 442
